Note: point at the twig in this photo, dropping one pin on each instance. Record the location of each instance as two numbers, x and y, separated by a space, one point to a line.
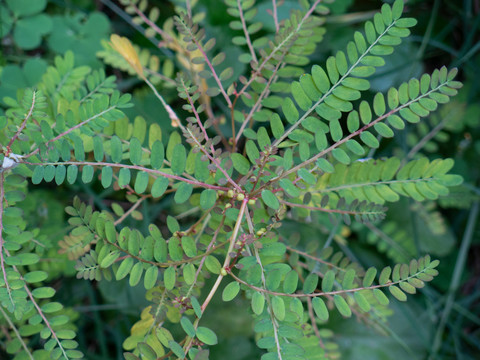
334 86
73 128
275 16
134 167
40 312
245 31
22 126
258 71
314 323
2 241
129 211
17 334
455 282
335 211
258 103
345 139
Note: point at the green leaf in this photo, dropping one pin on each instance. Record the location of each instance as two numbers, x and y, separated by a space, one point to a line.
328 280
189 246
380 296
324 165
289 187
116 149
348 279
240 163
110 259
320 308
87 173
106 177
124 177
307 176
342 306
169 278
179 159
183 193
158 155
361 301
135 151
291 282
38 174
189 272
176 349
43 292
72 173
159 186
379 104
270 199
230 291
290 111
278 307
187 326
320 78
35 276
399 294
151 276
310 283
369 277
136 274
206 336
124 268
212 264
341 156
385 275
258 302
98 148
141 182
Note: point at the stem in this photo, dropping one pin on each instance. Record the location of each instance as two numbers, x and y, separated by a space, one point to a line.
456 277
40 312
73 128
2 241
345 139
226 263
334 86
336 211
275 16
314 323
317 294
133 167
24 123
129 211
245 31
258 103
171 114
270 56
209 64
17 334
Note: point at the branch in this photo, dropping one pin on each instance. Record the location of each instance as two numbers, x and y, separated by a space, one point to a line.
270 56
133 167
336 211
245 31
17 334
258 103
73 128
334 86
275 16
345 139
22 126
2 241
40 312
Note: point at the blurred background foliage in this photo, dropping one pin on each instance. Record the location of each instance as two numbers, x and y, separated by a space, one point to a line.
442 323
